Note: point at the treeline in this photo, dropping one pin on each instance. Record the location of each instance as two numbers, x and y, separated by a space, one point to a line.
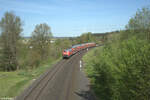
120 70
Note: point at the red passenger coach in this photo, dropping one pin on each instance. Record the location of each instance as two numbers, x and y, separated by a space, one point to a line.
76 48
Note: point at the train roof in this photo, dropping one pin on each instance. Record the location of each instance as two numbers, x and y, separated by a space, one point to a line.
81 44
67 50
76 45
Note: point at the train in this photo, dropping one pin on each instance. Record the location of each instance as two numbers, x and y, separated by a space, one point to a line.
67 53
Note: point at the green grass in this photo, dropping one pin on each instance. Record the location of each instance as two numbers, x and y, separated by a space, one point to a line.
12 83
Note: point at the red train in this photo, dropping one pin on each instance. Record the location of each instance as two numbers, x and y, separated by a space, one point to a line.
76 48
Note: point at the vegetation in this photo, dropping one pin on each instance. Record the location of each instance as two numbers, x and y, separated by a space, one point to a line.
85 37
18 80
120 69
11 28
40 44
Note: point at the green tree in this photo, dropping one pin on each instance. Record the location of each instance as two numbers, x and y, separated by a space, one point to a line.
11 28
85 37
40 40
141 20
139 25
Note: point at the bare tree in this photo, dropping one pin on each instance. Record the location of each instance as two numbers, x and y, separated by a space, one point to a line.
11 28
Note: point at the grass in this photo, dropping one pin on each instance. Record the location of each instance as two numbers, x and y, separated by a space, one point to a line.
12 83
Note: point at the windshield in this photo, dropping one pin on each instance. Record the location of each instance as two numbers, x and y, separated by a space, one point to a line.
67 50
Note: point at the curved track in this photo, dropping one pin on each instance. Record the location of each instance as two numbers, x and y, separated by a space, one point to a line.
64 81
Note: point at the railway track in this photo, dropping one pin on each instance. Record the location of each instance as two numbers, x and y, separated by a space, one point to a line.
34 92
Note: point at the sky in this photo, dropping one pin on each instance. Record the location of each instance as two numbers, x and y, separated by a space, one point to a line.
73 17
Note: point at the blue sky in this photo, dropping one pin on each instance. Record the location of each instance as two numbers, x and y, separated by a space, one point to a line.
73 17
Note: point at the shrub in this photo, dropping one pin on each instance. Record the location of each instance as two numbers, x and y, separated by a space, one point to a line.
120 71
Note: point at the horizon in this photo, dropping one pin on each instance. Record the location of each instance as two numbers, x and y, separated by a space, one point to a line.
71 18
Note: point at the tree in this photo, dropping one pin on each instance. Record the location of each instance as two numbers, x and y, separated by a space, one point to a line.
141 20
11 28
41 40
85 37
140 23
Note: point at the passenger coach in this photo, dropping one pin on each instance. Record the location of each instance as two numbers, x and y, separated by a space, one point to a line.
76 48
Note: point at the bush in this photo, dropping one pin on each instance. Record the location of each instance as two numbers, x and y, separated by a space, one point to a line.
120 71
